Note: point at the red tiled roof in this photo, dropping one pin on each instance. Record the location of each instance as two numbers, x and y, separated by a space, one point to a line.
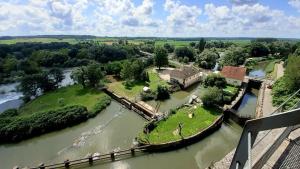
232 72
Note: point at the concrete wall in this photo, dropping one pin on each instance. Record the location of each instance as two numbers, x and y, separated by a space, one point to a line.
191 80
234 82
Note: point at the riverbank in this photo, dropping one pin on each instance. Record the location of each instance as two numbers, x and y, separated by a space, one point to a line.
52 111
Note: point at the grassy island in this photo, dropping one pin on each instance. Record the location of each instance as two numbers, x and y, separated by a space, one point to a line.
52 111
193 120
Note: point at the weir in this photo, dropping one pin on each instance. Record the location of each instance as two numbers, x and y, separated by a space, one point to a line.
94 159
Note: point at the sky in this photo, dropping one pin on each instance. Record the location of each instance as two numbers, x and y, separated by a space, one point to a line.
151 18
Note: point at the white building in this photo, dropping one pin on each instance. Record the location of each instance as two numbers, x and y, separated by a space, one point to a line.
186 76
234 75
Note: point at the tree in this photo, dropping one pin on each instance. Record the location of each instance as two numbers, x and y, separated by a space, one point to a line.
292 74
234 56
182 52
126 72
207 59
258 49
192 44
29 85
79 75
57 75
297 52
29 67
10 64
215 80
94 74
162 93
160 57
169 48
211 96
280 48
201 45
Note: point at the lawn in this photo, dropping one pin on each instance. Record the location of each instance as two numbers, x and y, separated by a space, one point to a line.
72 95
167 130
134 92
231 89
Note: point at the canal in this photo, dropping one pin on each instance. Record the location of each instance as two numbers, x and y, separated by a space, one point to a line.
115 128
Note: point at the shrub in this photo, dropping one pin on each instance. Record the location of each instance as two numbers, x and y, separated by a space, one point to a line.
162 93
9 113
100 105
211 96
25 126
145 96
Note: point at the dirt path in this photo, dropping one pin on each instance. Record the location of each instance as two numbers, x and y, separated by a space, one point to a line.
280 70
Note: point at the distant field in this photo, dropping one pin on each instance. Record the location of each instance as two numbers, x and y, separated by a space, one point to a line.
42 40
109 41
173 42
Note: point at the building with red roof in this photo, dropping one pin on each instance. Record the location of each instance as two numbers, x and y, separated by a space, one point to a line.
234 75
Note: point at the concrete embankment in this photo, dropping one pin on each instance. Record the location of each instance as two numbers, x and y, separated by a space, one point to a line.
146 111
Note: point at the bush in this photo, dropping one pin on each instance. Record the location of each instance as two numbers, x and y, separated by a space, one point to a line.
100 105
9 113
25 126
211 96
162 93
128 84
145 96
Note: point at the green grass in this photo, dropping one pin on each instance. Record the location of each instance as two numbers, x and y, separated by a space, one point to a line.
173 42
270 66
72 95
134 92
164 132
231 89
42 40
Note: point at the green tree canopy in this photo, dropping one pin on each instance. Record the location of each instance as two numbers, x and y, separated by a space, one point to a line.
207 59
160 57
211 96
185 51
234 56
215 80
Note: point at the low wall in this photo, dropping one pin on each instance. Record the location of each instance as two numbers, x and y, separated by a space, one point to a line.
185 141
130 105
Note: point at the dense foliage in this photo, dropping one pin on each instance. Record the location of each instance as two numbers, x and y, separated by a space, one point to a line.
89 75
234 56
21 59
162 93
288 84
207 59
160 57
211 96
182 52
214 80
21 127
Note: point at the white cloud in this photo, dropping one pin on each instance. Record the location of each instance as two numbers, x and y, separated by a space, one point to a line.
295 4
243 2
182 17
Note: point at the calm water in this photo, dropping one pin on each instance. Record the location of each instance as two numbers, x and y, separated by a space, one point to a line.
248 104
10 97
259 73
115 128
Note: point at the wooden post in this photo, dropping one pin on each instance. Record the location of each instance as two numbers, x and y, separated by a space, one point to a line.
42 166
67 163
132 151
90 159
112 156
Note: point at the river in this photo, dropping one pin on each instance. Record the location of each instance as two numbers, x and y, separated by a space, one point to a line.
10 97
115 128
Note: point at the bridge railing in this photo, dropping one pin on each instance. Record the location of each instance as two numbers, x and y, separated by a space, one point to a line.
278 119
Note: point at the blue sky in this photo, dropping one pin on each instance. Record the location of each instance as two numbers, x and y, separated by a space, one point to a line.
163 18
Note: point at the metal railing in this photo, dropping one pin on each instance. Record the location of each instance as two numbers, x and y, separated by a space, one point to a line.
278 119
